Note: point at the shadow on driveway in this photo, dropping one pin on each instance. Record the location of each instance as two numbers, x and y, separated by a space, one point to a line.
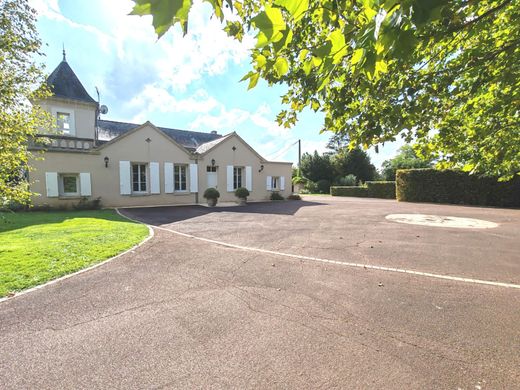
169 214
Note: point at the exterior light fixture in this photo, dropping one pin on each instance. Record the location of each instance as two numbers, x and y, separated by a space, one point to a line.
106 159
261 168
212 162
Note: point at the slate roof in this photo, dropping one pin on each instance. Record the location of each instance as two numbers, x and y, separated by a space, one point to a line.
191 140
208 145
64 83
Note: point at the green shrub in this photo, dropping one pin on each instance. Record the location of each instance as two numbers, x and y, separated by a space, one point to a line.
211 193
241 192
449 186
381 189
323 186
299 180
361 192
349 180
276 196
294 197
310 188
88 204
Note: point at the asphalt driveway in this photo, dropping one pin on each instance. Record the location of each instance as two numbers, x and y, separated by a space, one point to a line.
183 313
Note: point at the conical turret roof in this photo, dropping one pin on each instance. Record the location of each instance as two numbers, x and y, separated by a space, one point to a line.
64 83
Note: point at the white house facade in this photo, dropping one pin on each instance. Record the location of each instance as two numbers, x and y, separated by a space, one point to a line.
126 164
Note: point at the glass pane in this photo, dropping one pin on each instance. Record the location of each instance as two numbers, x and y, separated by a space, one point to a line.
70 184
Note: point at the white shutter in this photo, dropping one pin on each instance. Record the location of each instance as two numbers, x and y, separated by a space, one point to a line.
124 178
269 183
230 178
155 182
168 178
194 182
249 178
282 183
51 183
84 184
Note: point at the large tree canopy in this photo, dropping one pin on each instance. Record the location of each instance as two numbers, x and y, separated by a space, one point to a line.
443 73
405 159
20 81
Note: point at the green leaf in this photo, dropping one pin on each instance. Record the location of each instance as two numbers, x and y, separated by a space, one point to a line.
357 56
296 8
253 80
270 24
281 66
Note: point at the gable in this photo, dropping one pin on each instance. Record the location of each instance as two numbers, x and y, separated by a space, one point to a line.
242 154
145 143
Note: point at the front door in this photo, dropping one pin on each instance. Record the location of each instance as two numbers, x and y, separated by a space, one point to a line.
212 177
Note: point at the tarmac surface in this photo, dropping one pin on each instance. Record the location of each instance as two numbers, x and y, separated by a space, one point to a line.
179 312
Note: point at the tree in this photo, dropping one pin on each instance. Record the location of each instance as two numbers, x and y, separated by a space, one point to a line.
353 162
443 73
20 78
405 159
317 167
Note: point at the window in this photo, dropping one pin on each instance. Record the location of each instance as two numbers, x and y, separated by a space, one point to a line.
139 177
237 177
69 184
211 168
63 121
180 177
275 183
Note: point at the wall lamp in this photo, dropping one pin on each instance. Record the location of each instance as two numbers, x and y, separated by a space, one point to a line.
212 162
261 168
106 159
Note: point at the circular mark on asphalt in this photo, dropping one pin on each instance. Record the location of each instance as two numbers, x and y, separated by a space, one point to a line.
441 221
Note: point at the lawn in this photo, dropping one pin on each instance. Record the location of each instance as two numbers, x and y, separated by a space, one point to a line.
36 247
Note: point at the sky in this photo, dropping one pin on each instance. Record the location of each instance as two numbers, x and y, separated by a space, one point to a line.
190 82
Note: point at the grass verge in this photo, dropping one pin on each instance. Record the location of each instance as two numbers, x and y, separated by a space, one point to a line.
36 247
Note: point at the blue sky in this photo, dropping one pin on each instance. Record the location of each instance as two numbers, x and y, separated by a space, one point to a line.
189 82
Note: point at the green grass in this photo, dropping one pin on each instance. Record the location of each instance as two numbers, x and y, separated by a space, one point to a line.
36 247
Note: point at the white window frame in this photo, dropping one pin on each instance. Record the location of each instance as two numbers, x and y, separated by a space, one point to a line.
61 185
275 183
139 182
236 176
63 110
179 168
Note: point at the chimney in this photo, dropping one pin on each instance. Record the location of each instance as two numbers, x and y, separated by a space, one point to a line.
213 132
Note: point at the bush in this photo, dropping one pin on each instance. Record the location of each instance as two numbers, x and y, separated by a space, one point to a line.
299 180
241 193
361 192
449 186
323 186
381 189
276 196
211 193
86 204
310 188
349 180
294 197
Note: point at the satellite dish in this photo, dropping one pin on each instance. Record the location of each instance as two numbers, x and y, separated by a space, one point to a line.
103 109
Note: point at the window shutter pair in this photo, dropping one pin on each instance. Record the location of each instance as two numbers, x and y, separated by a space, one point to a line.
269 183
52 186
125 178
168 178
248 178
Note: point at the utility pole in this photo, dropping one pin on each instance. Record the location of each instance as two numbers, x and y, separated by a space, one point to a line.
299 157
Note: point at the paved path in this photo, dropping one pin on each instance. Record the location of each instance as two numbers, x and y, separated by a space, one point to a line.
178 313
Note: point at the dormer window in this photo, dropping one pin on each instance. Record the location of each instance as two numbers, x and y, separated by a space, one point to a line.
63 121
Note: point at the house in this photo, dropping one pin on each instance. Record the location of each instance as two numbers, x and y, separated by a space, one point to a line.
126 164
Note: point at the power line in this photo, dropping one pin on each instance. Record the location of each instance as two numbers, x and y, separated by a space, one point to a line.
282 151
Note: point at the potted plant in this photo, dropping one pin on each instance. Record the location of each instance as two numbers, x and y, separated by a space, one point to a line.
211 195
242 193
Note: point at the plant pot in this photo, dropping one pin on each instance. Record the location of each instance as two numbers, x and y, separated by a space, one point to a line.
212 202
242 201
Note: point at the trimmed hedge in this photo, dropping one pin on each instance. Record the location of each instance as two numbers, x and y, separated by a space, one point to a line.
381 189
449 186
361 192
371 189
